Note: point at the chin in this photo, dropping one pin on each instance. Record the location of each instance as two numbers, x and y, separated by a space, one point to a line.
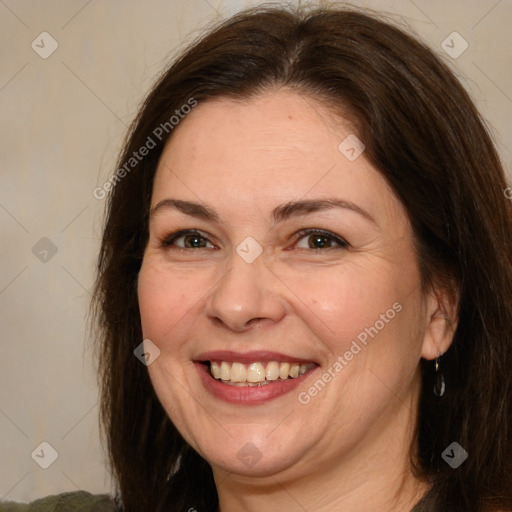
250 461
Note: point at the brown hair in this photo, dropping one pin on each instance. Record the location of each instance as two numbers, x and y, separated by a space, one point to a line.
425 136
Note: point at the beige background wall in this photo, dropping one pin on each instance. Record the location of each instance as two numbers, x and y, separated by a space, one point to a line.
63 118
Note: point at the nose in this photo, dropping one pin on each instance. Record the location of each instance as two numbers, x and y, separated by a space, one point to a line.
248 295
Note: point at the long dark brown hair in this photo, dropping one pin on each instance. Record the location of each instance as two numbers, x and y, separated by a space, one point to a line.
425 136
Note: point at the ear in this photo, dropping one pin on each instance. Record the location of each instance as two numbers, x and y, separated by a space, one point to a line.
441 321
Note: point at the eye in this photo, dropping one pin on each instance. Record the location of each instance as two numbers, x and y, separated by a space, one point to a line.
319 239
313 239
187 239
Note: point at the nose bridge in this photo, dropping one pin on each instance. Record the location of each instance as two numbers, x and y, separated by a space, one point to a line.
245 292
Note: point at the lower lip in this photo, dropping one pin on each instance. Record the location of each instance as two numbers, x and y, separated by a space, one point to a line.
248 395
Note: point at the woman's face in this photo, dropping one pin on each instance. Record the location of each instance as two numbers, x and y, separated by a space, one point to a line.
300 260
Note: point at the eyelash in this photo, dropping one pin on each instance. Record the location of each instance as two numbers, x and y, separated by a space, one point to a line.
342 244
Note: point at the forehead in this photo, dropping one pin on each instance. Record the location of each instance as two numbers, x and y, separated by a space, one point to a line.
273 126
272 148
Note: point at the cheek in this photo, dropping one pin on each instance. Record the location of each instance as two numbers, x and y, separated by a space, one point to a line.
154 302
366 317
346 301
369 328
163 302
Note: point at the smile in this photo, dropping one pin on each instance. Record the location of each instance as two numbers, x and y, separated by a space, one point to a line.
252 378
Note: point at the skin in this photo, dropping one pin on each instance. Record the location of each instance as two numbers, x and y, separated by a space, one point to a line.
348 448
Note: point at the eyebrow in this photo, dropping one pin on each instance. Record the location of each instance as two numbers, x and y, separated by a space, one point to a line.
279 214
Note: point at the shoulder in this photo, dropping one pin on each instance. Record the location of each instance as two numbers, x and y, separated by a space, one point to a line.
78 501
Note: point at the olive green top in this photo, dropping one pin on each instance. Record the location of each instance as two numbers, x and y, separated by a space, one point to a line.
78 501
82 501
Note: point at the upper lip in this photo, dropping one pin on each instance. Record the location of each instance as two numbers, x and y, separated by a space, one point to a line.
250 357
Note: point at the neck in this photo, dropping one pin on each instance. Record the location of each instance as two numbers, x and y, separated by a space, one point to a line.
322 493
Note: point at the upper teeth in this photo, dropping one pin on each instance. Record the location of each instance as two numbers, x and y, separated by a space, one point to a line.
256 372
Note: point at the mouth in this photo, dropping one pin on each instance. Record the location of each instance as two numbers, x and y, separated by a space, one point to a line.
251 378
258 373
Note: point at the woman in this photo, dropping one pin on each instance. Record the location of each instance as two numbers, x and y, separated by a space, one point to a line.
304 288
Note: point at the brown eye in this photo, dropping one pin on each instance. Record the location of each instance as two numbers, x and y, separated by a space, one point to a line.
187 240
320 240
192 241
